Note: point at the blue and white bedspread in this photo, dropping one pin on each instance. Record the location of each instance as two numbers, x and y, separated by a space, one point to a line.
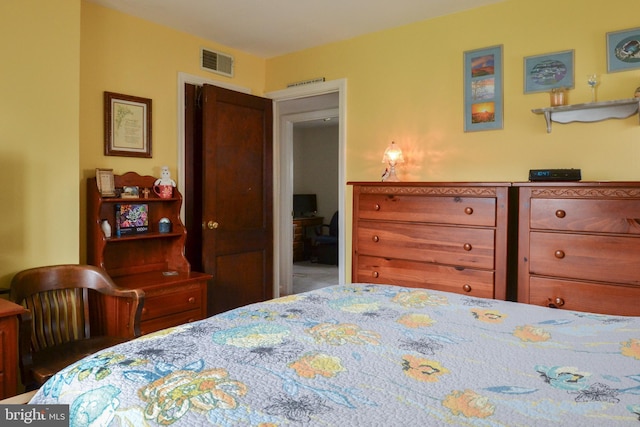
366 355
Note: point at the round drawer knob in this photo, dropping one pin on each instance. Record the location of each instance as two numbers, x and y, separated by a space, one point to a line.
467 246
560 213
559 254
375 274
144 310
192 300
466 288
375 238
556 302
468 210
377 207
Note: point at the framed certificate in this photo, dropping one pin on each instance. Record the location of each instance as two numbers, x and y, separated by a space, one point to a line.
127 125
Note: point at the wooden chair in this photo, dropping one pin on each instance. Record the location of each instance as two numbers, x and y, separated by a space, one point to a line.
63 310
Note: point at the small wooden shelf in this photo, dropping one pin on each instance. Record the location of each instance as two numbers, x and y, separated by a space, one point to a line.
140 236
590 112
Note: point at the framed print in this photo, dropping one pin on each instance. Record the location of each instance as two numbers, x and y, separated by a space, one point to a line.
623 50
127 125
105 182
483 101
549 71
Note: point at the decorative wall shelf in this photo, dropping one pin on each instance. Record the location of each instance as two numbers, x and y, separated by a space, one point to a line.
590 112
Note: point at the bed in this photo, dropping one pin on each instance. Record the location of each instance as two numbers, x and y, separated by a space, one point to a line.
364 354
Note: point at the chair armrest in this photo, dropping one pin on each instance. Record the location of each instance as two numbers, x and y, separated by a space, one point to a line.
320 229
137 303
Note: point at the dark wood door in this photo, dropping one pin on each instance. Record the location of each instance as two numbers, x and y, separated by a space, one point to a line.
237 197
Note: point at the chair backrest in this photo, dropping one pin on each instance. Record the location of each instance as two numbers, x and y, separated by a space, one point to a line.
333 225
58 298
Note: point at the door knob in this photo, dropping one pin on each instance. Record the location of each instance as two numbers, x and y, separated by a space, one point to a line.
212 225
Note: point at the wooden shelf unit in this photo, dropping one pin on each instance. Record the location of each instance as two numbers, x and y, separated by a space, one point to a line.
151 261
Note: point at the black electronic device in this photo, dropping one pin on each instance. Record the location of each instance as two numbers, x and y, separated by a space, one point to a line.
304 205
555 175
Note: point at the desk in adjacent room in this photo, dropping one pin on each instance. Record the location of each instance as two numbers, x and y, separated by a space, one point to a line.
302 236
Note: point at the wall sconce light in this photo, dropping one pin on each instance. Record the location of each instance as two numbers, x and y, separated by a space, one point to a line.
392 155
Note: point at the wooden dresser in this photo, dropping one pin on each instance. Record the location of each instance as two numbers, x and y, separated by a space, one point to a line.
579 246
9 321
152 261
445 236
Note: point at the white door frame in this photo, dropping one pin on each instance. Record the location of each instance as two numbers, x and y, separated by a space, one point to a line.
283 176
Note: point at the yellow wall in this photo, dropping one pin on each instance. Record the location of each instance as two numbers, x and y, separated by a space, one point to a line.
124 54
39 107
406 85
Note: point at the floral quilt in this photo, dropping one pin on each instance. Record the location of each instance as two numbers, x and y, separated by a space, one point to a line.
366 355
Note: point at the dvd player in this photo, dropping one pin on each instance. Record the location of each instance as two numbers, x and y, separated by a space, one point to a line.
555 175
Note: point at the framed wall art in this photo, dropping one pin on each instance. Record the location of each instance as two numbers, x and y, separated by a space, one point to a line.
483 100
623 50
127 125
549 71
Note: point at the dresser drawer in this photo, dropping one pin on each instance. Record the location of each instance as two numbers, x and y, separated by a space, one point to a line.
590 257
164 322
468 247
170 303
582 296
478 283
445 210
597 215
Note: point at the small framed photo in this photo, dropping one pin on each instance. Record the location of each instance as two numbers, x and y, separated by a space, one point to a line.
105 182
483 102
130 192
127 125
549 71
623 50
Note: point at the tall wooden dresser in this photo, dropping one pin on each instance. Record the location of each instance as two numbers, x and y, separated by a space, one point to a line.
446 235
579 246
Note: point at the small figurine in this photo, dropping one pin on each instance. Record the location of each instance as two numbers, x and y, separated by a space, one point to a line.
165 177
146 192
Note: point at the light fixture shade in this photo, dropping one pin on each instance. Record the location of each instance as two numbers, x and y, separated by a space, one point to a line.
393 154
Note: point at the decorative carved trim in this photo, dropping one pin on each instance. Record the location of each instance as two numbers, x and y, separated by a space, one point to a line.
429 191
588 192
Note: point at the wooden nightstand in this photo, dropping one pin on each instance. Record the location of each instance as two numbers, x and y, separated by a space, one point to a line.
10 315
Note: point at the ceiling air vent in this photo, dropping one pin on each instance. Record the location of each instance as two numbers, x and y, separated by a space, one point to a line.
217 62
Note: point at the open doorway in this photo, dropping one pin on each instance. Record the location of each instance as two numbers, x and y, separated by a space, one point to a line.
297 105
315 202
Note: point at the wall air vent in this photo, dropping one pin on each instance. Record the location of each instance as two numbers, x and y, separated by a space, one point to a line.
216 62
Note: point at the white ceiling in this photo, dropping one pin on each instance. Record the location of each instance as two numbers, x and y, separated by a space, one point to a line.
268 28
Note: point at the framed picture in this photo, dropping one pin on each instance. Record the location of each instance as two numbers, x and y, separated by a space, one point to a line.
549 71
483 101
623 50
105 182
127 125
